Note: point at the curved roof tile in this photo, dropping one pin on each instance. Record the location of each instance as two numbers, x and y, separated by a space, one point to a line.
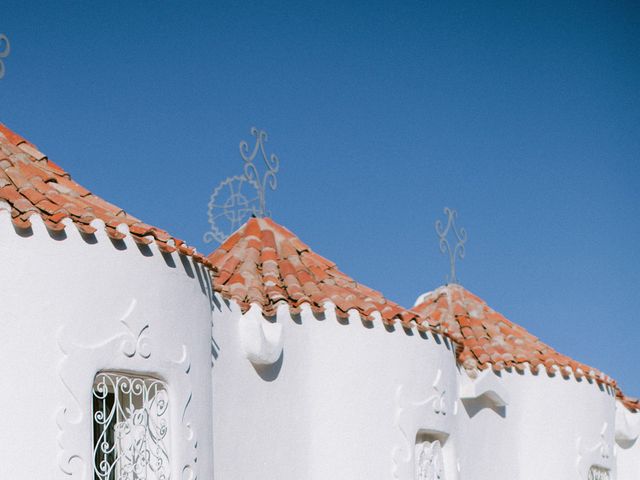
32 184
266 264
488 339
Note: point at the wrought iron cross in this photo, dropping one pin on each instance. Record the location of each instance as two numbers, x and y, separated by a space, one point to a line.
460 238
237 198
5 50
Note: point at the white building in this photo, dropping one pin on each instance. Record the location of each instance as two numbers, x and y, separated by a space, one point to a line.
128 355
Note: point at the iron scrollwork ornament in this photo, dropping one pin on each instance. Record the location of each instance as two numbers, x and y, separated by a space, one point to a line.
429 461
237 198
598 473
459 237
5 50
130 428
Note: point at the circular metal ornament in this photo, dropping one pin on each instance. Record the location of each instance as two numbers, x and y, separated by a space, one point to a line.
232 202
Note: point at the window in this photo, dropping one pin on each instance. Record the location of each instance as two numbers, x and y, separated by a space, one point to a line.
598 473
130 427
428 457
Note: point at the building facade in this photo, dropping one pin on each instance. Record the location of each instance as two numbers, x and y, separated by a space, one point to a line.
129 355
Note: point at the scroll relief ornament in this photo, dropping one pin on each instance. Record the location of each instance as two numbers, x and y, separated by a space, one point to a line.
597 462
433 411
240 197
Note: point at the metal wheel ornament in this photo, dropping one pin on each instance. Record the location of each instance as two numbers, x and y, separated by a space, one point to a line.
237 198
232 203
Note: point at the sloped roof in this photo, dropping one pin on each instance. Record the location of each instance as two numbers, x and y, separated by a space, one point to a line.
631 403
266 264
487 338
32 184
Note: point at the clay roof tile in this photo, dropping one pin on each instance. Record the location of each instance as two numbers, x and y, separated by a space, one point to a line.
491 337
32 183
287 270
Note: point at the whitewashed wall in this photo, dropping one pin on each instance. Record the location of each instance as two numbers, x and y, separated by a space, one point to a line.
627 443
339 401
552 427
70 307
343 401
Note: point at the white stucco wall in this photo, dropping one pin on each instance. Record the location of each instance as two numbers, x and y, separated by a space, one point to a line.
552 427
70 307
627 447
343 402
346 401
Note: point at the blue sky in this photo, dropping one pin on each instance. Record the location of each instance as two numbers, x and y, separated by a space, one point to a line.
525 118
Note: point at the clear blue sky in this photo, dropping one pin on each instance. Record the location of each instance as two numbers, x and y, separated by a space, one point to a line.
525 118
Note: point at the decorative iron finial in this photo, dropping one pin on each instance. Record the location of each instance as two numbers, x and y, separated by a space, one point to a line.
445 247
5 50
230 206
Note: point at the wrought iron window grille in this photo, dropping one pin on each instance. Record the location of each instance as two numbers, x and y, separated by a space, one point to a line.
130 427
598 473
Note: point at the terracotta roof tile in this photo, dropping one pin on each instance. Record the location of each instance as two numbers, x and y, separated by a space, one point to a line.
265 263
32 184
632 404
486 338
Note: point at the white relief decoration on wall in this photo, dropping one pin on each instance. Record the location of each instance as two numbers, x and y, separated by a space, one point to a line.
131 348
439 403
486 384
429 461
137 341
131 425
430 412
597 457
627 424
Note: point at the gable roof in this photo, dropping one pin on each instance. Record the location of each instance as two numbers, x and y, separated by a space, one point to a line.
487 338
266 264
32 184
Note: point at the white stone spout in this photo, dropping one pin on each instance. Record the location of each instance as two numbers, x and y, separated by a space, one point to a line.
261 340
